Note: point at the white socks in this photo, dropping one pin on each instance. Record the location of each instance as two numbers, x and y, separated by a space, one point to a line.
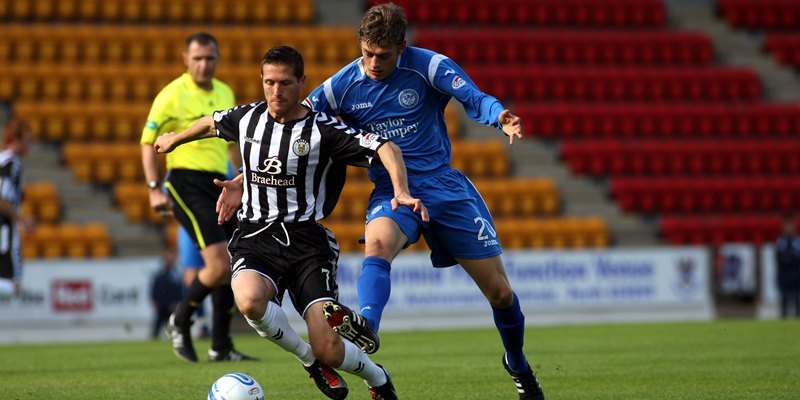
358 363
275 327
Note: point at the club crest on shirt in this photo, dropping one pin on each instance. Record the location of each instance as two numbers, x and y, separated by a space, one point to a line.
458 82
368 139
301 147
408 98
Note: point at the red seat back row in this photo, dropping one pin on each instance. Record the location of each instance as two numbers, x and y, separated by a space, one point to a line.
719 229
761 14
605 13
634 120
784 47
512 46
707 194
520 83
682 157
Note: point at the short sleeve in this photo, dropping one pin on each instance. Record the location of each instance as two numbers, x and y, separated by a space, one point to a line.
226 122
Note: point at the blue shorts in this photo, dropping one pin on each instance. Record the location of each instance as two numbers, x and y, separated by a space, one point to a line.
460 224
188 254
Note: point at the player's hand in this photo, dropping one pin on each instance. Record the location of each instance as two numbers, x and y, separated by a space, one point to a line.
160 203
229 200
164 143
405 199
512 125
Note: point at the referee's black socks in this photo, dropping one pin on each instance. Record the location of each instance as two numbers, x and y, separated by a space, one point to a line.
223 305
195 295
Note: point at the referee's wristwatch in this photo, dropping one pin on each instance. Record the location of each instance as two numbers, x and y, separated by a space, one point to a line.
153 184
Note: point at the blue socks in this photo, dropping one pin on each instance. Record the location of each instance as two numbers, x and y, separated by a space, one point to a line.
374 287
510 323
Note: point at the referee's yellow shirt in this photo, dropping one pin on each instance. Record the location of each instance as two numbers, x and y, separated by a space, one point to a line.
177 107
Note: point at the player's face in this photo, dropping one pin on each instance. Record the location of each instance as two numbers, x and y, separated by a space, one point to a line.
378 61
201 62
24 143
281 90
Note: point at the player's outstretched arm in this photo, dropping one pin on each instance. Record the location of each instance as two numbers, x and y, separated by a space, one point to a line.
512 125
230 199
200 129
392 159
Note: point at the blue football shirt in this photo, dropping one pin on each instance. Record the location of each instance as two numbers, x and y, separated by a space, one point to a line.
407 107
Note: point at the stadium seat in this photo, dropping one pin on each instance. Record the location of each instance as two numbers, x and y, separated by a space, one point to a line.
161 44
553 232
628 84
521 197
617 157
474 46
153 12
783 46
481 158
718 229
42 201
758 14
707 194
641 120
584 13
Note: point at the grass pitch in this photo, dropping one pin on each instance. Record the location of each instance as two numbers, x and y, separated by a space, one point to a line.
719 360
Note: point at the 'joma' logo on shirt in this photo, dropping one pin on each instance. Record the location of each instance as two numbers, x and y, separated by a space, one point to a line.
361 106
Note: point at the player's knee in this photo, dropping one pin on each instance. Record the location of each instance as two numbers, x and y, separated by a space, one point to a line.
500 296
384 247
250 306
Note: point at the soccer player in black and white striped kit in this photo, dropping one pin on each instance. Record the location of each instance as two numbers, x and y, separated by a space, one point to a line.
294 162
16 141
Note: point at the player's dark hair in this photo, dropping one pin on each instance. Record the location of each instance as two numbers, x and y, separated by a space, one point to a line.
15 130
285 55
383 25
203 39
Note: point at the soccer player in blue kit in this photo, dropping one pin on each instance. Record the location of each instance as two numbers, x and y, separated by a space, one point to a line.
400 92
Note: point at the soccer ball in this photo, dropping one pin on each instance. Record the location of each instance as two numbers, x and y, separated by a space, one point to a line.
236 386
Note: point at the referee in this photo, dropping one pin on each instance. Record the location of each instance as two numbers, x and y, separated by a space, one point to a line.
294 161
191 193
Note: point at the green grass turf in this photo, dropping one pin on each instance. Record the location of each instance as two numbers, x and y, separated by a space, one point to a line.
729 360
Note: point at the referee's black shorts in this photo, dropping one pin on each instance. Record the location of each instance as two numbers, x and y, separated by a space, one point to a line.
194 196
302 259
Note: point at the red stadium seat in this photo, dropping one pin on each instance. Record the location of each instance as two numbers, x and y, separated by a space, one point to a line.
473 46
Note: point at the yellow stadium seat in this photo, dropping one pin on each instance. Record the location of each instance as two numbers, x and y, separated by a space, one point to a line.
21 10
44 9
347 234
47 239
98 238
132 11
89 10
72 239
7 87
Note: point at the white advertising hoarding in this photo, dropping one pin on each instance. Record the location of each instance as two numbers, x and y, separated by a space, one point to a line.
82 291
640 278
553 287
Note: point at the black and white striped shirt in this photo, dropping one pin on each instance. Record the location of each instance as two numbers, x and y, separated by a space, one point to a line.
10 178
294 171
